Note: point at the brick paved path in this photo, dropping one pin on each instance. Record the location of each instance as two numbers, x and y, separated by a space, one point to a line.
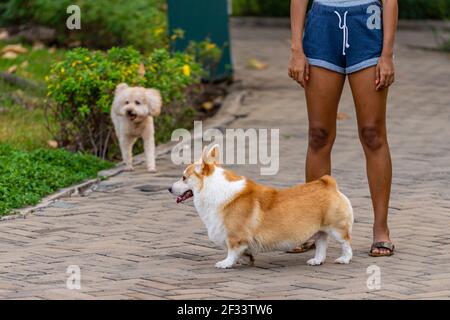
133 244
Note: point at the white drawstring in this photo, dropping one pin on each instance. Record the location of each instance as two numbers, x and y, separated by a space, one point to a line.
344 28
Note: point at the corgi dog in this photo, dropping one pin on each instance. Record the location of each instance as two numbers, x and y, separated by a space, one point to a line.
248 218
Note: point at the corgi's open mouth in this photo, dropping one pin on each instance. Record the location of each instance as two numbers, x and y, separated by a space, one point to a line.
188 194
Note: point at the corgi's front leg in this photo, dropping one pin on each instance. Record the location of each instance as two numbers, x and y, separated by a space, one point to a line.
235 250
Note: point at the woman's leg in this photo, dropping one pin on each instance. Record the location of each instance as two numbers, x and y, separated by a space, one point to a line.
371 115
323 92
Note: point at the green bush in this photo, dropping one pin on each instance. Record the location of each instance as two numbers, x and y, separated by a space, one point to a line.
409 9
26 177
207 54
104 23
81 88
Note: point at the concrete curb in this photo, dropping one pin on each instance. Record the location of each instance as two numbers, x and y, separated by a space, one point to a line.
284 22
226 114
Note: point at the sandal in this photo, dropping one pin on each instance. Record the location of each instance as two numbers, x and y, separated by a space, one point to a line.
382 245
303 248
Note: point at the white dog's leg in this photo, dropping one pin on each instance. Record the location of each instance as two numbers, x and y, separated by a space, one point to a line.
149 147
321 250
347 252
232 257
126 147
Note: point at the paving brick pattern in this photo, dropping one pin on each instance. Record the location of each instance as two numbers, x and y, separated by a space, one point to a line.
132 241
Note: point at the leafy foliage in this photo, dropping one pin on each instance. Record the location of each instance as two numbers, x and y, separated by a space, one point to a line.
26 177
104 23
208 54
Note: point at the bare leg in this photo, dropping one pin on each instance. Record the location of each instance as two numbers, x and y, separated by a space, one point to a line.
371 115
149 147
323 92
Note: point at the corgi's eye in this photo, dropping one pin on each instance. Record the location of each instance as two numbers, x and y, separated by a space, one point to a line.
184 178
127 102
137 102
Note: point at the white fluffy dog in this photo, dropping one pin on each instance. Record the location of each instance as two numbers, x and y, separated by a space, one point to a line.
132 114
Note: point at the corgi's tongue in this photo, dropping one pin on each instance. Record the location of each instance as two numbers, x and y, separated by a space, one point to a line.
188 194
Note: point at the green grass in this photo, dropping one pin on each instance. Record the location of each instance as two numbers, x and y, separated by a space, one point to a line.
29 170
21 126
28 176
39 62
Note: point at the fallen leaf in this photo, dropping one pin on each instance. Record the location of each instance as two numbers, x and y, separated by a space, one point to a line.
11 69
52 144
256 64
16 48
4 35
74 44
208 105
218 100
24 64
38 45
342 116
9 55
52 50
141 70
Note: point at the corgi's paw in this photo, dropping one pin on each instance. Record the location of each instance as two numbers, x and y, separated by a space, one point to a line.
315 262
129 168
343 260
151 169
224 264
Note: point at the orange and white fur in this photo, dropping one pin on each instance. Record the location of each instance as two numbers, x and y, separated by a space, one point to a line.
247 217
132 114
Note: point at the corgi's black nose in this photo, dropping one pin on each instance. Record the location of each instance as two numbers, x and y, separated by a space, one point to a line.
170 190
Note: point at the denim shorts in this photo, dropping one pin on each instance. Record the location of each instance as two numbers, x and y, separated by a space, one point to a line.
344 39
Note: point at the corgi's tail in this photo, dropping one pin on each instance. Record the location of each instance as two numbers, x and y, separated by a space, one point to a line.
329 181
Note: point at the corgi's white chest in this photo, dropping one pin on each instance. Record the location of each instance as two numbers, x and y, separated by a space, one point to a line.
213 221
216 192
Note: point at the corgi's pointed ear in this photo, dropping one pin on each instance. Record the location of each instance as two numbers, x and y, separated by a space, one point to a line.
154 101
204 157
120 87
211 156
214 153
